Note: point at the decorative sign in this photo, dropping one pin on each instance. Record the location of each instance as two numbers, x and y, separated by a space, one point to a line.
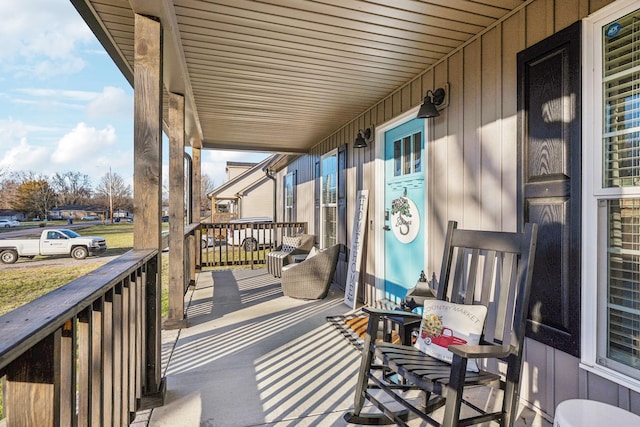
355 254
405 219
613 30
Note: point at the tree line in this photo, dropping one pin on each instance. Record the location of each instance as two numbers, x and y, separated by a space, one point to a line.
35 194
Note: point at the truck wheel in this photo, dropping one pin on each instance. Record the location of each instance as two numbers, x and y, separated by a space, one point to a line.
250 245
79 252
8 256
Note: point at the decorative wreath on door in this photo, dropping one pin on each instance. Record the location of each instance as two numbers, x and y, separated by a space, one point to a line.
406 219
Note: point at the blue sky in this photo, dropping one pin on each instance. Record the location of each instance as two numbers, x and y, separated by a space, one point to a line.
64 106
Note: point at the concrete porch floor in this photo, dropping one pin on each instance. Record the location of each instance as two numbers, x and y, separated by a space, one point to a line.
253 357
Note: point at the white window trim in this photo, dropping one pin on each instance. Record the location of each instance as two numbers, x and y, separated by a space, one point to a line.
332 153
593 263
289 175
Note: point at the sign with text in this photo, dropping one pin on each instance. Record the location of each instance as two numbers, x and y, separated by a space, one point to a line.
355 254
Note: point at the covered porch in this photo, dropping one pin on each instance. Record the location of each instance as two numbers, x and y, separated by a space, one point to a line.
252 356
303 79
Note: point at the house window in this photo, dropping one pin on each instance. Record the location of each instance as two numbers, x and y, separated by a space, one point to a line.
613 286
329 199
289 197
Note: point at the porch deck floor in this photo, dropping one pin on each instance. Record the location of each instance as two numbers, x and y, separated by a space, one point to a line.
253 357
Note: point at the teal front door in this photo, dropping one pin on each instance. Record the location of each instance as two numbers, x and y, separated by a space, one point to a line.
404 214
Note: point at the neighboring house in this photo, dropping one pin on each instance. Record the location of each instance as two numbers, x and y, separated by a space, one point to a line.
75 212
11 214
248 192
539 124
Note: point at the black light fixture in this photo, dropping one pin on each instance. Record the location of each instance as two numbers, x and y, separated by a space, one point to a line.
432 100
362 138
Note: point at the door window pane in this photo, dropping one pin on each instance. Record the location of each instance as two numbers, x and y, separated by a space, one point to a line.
407 155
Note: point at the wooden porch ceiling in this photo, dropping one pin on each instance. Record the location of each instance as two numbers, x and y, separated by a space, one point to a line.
281 75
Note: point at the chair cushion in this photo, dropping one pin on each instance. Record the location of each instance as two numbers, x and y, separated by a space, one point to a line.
312 252
290 243
445 323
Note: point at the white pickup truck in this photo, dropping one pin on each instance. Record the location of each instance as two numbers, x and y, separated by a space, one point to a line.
58 241
250 233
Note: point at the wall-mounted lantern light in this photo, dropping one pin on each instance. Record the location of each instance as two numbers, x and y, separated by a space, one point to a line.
363 137
434 101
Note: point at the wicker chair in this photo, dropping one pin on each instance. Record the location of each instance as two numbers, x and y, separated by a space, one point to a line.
278 258
311 278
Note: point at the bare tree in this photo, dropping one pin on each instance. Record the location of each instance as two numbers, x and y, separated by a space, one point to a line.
207 185
113 192
8 189
73 188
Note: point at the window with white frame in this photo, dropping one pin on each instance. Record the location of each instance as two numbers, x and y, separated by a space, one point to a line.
289 197
614 208
329 199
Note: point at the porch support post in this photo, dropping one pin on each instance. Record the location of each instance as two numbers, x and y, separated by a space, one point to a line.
196 200
176 318
147 190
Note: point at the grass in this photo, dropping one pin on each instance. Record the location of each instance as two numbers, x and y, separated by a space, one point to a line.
19 286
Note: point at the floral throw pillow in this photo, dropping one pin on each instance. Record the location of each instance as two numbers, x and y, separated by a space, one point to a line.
445 323
290 243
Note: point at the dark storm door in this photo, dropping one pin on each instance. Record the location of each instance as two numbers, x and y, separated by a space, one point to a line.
549 189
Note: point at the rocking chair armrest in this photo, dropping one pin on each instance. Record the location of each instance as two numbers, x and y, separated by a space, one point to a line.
480 351
378 312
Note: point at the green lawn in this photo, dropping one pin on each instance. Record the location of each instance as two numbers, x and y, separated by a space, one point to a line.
21 285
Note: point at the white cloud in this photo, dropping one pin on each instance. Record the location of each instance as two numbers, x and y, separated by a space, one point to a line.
113 101
24 157
39 40
82 144
74 95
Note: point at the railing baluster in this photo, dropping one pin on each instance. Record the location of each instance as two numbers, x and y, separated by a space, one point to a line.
67 371
118 412
95 374
107 359
29 386
126 352
227 251
84 357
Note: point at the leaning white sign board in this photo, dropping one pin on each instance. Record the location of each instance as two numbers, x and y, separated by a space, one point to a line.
355 254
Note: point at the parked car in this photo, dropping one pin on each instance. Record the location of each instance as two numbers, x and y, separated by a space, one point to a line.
250 237
90 218
209 241
8 223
